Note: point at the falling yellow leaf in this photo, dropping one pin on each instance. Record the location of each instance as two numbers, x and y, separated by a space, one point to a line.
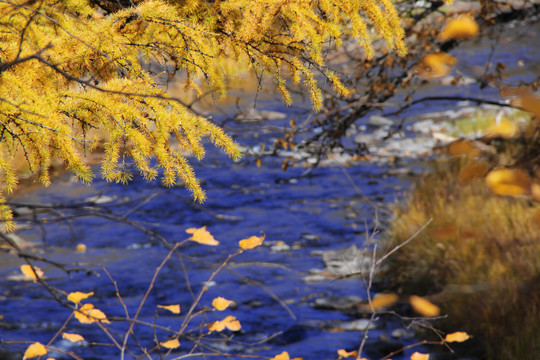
283 356
170 344
460 28
419 356
229 322
384 300
251 242
345 354
175 309
87 314
513 182
458 336
503 128
80 248
424 307
72 337
221 303
34 350
202 236
435 65
29 273
78 296
471 171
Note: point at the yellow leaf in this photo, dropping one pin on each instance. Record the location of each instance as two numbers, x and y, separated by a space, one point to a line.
424 307
202 236
508 181
283 356
345 354
175 309
383 300
78 296
458 336
419 356
463 147
435 65
251 242
72 337
87 314
80 248
34 350
229 322
221 303
29 273
503 128
170 344
460 28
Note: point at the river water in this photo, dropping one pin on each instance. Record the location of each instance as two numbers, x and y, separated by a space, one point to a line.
298 214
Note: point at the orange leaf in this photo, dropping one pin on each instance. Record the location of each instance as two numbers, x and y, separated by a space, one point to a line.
251 242
87 314
175 309
503 128
80 248
345 354
31 273
72 337
424 307
458 336
78 296
419 356
435 65
383 301
471 171
463 147
202 236
170 344
229 322
460 28
221 303
508 181
283 356
34 350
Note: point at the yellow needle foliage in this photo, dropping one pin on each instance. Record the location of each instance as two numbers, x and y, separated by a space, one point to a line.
74 76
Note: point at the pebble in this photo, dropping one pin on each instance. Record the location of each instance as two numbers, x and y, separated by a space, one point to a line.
254 115
379 121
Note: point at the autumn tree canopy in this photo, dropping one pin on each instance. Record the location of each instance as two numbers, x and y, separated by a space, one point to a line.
76 75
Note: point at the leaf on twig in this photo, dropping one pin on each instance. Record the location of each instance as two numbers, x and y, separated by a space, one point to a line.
221 303
458 336
345 354
229 322
87 314
251 242
170 344
175 309
78 296
202 236
383 300
34 350
419 356
72 337
31 274
460 28
424 307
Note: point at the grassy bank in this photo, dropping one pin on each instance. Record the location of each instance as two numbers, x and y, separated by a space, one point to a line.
479 259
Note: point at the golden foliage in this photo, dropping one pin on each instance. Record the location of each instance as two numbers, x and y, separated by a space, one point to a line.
87 314
424 307
31 271
72 337
506 181
78 296
221 303
435 65
419 356
202 236
458 336
460 28
251 242
229 322
384 300
175 309
170 344
342 353
34 350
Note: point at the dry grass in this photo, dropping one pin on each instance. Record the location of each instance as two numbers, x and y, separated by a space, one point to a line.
479 259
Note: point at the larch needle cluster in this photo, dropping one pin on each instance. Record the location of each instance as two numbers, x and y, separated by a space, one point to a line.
76 74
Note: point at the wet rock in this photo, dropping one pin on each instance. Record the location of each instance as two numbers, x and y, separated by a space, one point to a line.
310 237
341 303
280 246
358 325
100 199
254 115
379 121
